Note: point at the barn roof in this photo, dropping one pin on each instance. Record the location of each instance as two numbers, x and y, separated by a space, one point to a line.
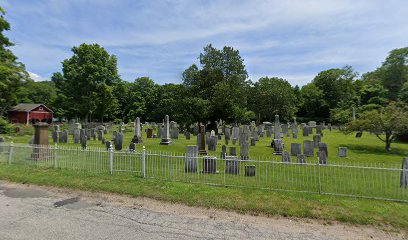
27 107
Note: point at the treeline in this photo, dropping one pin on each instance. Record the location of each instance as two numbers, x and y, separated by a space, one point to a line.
90 88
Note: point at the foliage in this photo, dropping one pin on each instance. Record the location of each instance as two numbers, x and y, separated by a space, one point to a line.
271 96
389 121
12 73
5 126
87 82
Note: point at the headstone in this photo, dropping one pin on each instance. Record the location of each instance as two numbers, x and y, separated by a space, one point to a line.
83 141
235 132
107 145
201 142
278 146
329 126
196 129
404 174
319 129
137 138
312 124
119 141
323 147
175 133
295 149
359 134
294 130
308 148
219 137
223 152
305 131
310 129
268 133
244 152
1 144
88 135
232 165
207 137
322 157
61 137
234 141
191 159
277 128
227 133
342 152
166 133
209 164
160 131
55 136
149 133
100 135
316 140
285 129
233 151
132 147
285 157
212 145
250 170
77 135
40 138
188 135
301 158
253 141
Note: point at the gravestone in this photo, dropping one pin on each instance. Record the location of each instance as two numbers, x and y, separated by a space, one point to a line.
227 133
166 132
305 131
108 145
316 140
322 157
188 135
342 152
232 165
323 147
82 135
219 137
77 134
250 170
295 149
209 164
310 129
285 157
404 173
312 124
191 159
40 138
196 129
88 135
175 133
278 146
83 141
160 131
235 132
132 147
55 136
137 138
149 133
268 133
61 137
201 145
319 129
301 158
234 141
207 137
277 130
285 129
100 135
253 141
294 130
233 151
119 141
212 145
359 134
308 148
329 126
244 152
223 152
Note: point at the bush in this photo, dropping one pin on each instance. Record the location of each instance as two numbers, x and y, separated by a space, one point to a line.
5 126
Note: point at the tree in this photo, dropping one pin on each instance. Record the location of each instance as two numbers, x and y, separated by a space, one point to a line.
337 86
312 101
12 73
222 81
272 96
87 82
385 123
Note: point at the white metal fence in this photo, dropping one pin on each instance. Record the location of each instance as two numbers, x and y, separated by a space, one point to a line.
378 181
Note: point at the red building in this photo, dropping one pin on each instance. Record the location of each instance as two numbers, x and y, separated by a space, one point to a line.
26 113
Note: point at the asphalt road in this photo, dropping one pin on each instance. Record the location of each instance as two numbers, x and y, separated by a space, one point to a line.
31 212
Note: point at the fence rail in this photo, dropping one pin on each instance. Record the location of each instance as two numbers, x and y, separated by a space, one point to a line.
377 181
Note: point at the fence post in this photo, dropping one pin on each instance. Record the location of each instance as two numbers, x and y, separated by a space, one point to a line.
318 169
55 155
10 152
111 155
144 162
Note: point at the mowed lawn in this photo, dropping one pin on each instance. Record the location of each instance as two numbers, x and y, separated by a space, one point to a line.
366 150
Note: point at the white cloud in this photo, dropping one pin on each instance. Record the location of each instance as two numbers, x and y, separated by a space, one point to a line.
36 77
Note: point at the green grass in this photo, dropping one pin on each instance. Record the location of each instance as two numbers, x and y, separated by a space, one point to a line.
251 201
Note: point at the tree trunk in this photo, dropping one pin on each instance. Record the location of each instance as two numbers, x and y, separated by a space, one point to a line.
388 140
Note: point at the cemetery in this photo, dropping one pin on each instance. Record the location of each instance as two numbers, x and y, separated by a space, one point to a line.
316 163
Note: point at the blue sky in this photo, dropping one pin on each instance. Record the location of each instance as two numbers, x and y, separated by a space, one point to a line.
290 39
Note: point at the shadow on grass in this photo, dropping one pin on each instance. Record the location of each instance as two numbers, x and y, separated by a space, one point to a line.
361 148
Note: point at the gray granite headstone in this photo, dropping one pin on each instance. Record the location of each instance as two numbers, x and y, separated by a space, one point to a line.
301 158
55 136
188 135
322 157
277 130
191 159
119 141
212 144
323 147
233 151
253 141
232 165
342 152
285 157
209 164
223 152
244 151
295 149
316 140
277 146
107 145
308 148
132 147
305 131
